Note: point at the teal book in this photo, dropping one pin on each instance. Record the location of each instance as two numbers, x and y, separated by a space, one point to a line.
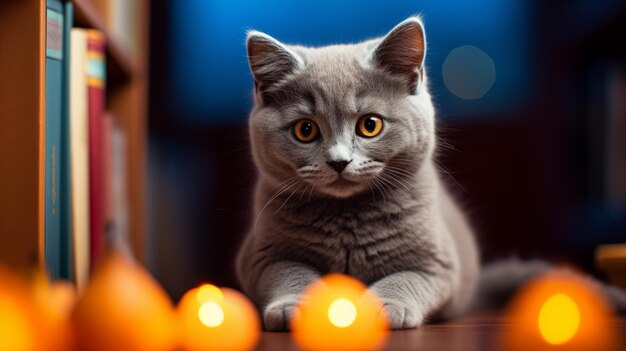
56 202
66 185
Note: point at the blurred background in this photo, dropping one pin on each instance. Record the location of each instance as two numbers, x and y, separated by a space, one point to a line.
531 103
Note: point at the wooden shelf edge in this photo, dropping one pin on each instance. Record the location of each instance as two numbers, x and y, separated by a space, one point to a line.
22 135
121 65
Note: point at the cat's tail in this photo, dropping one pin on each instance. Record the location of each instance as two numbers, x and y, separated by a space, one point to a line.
501 279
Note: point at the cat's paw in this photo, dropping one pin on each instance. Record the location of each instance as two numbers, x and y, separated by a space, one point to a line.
278 314
401 315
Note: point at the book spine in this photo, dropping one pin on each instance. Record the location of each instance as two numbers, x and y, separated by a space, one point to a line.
66 212
96 73
53 147
107 210
119 200
79 130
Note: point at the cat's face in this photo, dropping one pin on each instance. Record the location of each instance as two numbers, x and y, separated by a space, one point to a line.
340 120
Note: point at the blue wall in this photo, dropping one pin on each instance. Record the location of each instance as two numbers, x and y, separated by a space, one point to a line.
209 78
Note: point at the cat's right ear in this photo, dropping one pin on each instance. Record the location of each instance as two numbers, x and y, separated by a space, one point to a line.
401 52
270 60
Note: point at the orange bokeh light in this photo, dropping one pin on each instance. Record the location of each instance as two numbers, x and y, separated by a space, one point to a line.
124 308
18 330
211 318
559 310
338 313
54 302
559 319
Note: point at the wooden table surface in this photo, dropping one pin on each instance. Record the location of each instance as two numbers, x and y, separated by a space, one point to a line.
471 333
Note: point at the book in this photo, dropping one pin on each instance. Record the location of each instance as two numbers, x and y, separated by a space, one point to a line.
119 208
106 157
79 154
66 218
115 204
55 170
23 164
122 24
119 17
96 74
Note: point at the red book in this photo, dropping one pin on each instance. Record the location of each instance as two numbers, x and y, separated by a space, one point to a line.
96 74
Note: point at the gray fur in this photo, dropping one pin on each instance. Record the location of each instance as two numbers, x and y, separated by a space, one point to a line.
501 279
394 226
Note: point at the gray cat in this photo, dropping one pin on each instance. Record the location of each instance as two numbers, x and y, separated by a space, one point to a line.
344 138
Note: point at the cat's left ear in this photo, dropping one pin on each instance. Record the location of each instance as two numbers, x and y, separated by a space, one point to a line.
402 51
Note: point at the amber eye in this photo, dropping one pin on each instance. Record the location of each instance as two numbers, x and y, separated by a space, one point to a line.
369 126
306 130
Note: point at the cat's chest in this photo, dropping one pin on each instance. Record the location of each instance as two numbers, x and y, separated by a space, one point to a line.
368 242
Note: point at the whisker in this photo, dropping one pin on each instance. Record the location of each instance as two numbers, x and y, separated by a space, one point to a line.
311 192
287 184
289 197
302 194
400 175
400 171
397 182
382 186
369 184
441 169
383 190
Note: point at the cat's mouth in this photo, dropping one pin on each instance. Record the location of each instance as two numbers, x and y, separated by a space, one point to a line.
341 187
342 183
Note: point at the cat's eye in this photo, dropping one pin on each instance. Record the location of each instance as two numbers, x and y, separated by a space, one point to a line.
306 130
369 126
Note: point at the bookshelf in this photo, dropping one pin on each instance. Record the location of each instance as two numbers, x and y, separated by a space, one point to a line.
22 120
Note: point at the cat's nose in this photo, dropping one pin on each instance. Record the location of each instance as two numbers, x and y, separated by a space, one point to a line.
339 166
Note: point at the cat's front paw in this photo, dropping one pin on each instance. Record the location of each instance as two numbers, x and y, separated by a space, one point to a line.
278 314
401 315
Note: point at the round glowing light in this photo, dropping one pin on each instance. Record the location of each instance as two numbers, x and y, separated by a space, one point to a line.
468 72
560 309
123 308
209 292
342 313
211 314
341 309
212 318
16 330
559 319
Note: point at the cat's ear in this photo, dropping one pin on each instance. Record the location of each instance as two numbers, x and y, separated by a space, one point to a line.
402 51
270 60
